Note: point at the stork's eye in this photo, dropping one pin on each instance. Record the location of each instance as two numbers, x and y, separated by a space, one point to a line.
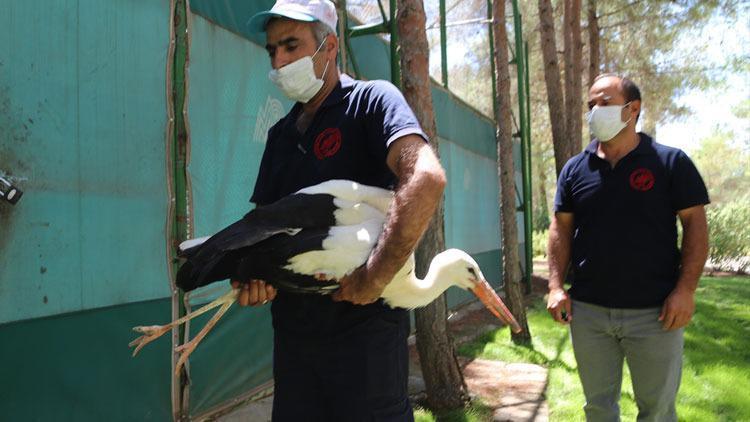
471 271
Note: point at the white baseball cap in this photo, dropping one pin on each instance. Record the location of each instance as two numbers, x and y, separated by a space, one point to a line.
300 10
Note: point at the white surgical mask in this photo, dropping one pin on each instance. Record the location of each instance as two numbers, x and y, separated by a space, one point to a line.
605 122
297 80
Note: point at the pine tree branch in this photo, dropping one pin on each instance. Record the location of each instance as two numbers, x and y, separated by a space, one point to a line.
631 4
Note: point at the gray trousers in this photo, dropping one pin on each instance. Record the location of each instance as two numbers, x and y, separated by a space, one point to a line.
603 337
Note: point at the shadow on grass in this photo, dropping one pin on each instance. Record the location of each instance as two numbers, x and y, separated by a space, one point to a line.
720 330
718 333
713 336
716 364
475 411
549 336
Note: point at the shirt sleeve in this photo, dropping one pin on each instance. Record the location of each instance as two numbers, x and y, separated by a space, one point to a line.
687 187
390 116
563 200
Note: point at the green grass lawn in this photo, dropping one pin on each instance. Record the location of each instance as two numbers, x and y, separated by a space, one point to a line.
475 412
716 371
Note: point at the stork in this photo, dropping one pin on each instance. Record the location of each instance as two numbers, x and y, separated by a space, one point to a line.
306 241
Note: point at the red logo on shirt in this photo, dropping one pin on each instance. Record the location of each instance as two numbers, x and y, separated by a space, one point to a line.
327 143
642 179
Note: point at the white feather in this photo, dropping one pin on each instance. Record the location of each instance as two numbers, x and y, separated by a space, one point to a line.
448 268
345 248
355 192
349 213
192 243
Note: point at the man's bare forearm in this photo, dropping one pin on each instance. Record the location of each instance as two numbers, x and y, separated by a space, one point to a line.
558 249
694 248
421 184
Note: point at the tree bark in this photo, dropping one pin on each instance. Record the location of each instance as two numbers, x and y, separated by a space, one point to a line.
445 384
573 73
543 207
605 53
506 174
555 99
341 12
593 41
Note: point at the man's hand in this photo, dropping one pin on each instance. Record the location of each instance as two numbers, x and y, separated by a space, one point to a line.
358 288
558 305
677 310
558 257
254 292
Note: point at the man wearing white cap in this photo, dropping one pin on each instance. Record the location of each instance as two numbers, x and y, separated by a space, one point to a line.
342 357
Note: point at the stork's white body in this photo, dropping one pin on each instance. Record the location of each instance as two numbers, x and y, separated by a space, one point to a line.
362 213
360 216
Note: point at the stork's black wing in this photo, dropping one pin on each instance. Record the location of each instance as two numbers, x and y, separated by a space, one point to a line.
266 261
298 211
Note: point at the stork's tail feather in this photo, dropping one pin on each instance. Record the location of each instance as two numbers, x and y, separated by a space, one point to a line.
209 259
185 279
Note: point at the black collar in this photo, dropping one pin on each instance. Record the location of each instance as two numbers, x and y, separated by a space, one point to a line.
340 91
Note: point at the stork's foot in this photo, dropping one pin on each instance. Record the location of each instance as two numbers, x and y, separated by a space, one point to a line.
150 333
186 349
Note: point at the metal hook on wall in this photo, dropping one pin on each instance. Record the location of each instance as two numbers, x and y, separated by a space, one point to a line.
8 191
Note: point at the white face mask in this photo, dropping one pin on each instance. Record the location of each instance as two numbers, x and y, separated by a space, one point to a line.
605 122
297 80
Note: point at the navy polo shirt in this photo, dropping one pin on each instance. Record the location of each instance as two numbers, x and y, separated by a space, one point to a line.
348 138
624 251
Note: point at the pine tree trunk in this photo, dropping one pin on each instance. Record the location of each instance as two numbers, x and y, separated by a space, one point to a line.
445 385
593 41
543 206
555 99
573 71
506 174
607 61
568 74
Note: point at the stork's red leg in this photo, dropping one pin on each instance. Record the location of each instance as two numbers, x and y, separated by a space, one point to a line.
152 332
186 349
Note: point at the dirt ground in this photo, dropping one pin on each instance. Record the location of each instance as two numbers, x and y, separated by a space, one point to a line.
516 391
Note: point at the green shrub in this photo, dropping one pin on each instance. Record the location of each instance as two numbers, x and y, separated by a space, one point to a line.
540 220
539 244
729 234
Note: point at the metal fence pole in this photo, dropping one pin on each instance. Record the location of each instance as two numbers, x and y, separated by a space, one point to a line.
443 46
395 59
523 114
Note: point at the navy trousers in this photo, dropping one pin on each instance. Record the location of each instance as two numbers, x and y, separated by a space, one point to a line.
360 374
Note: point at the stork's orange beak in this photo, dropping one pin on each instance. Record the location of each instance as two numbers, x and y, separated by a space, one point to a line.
492 301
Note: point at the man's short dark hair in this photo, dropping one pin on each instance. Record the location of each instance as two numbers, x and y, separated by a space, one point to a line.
629 89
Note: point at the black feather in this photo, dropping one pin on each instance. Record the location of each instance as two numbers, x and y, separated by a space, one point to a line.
262 237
